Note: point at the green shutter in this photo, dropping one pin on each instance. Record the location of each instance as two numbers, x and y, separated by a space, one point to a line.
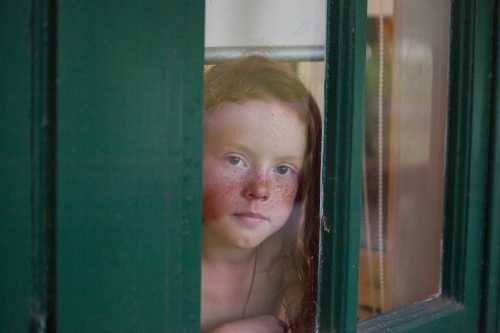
15 166
129 114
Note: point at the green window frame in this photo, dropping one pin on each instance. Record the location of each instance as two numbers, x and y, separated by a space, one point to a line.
100 166
459 308
490 321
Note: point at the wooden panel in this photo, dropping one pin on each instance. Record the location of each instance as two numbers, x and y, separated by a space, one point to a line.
15 161
129 117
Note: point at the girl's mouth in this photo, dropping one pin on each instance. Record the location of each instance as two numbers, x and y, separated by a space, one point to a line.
250 214
250 218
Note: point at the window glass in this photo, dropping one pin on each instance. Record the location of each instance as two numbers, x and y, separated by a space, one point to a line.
289 31
262 134
404 153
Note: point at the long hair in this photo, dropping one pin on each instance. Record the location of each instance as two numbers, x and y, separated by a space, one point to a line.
259 78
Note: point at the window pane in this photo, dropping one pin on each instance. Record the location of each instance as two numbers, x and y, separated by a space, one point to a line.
405 125
262 138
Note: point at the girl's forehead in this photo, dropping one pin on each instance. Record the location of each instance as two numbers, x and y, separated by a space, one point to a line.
264 112
256 123
271 105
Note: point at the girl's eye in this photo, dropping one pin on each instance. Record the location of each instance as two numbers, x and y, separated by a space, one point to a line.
234 160
282 169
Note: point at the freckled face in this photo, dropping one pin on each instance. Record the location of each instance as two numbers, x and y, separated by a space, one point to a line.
253 154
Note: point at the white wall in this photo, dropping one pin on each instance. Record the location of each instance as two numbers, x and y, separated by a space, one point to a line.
265 23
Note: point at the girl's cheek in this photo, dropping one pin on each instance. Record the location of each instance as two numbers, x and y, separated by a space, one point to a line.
218 194
286 192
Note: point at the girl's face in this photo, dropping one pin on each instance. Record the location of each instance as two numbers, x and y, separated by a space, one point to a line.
253 155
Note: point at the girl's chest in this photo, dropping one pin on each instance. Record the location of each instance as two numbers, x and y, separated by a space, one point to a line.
232 297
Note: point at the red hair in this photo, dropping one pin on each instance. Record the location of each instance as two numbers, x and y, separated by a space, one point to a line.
259 78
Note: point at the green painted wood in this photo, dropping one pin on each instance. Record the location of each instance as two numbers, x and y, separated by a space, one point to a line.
129 115
491 291
341 166
184 86
458 147
43 38
15 170
468 116
437 315
481 100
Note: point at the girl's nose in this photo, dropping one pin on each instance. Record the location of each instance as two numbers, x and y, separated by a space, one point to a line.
257 188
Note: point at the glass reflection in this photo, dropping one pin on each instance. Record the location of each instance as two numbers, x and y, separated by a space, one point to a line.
405 127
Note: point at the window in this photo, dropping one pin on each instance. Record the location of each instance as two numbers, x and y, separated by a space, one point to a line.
456 309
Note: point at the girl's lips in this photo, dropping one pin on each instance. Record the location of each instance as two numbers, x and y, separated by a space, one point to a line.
250 214
250 218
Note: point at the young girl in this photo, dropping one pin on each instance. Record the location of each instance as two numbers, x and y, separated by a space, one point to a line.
262 137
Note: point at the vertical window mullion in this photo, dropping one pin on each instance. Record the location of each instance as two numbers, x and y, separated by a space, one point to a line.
467 146
341 166
491 291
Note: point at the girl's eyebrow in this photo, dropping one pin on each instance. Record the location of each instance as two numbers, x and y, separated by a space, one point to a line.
241 147
236 145
294 158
